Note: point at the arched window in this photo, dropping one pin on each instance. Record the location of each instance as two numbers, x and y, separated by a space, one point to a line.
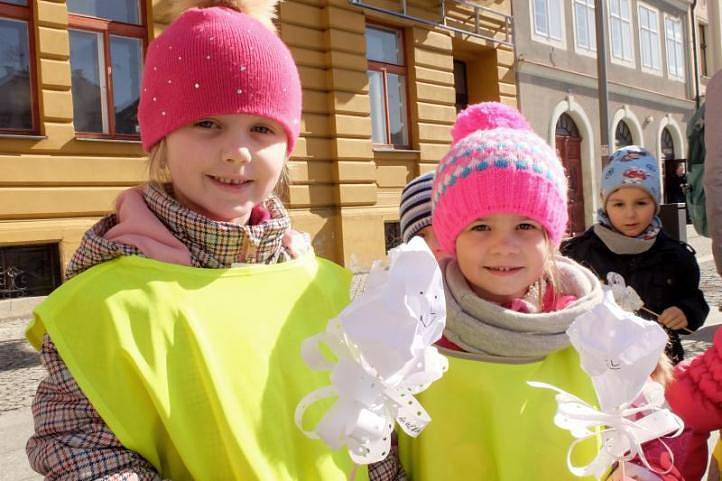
667 144
566 127
622 136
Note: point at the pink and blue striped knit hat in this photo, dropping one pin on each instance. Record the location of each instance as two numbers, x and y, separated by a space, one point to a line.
497 164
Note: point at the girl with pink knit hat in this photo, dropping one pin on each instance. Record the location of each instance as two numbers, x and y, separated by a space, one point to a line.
173 351
499 212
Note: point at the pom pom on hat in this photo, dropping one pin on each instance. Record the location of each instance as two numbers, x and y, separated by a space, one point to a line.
262 10
487 116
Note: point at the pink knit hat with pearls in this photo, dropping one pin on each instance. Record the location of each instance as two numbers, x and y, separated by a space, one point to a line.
497 164
217 61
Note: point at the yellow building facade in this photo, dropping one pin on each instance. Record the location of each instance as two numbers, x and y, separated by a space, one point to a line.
360 140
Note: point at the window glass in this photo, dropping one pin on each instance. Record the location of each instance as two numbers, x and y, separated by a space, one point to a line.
397 109
88 83
383 46
127 11
16 112
127 61
378 112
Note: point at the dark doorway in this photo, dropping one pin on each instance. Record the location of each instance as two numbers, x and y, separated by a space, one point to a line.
461 85
569 149
674 171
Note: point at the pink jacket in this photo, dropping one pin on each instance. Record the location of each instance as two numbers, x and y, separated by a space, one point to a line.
696 396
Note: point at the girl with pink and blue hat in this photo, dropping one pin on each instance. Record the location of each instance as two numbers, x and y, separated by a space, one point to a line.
499 214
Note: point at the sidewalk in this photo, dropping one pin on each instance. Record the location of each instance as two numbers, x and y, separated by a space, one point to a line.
20 373
15 428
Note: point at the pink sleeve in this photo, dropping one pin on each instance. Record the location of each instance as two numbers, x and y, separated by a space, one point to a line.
696 393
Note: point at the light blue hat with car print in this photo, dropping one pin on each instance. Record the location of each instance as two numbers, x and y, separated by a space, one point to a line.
631 166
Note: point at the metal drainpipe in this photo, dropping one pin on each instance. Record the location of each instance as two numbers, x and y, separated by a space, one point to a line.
694 56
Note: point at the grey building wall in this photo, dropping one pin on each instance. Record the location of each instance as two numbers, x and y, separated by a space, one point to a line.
554 80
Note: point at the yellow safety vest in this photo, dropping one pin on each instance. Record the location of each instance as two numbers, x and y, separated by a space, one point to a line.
488 424
200 370
716 462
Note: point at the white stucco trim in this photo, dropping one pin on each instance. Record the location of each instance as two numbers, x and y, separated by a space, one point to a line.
635 127
591 164
538 70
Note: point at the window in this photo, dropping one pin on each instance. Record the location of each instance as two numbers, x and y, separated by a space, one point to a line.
703 59
621 32
18 108
392 235
566 127
667 145
29 270
622 135
649 39
675 47
548 20
107 40
460 85
387 87
584 27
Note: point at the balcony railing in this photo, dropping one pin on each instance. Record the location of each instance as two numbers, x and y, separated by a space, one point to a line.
459 16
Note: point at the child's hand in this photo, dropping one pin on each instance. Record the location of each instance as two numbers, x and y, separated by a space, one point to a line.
673 318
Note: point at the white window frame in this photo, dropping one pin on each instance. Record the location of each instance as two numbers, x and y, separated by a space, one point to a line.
101 77
590 51
400 69
678 42
627 62
546 37
642 30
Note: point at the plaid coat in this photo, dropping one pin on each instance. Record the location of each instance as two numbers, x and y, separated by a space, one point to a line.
71 441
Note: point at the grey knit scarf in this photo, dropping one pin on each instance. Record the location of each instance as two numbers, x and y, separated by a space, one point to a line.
489 332
620 243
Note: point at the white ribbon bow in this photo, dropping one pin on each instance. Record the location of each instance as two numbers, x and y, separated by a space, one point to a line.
622 437
384 355
367 406
625 296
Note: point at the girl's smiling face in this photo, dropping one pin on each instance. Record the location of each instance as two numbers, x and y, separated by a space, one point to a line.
223 166
630 210
501 255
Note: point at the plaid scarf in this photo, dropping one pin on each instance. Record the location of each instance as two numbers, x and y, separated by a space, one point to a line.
212 244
